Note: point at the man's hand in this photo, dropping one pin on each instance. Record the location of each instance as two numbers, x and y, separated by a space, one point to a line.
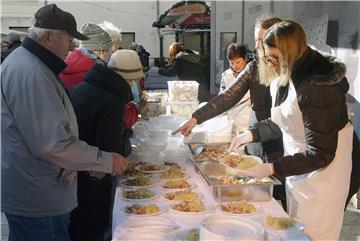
261 170
186 128
240 140
120 163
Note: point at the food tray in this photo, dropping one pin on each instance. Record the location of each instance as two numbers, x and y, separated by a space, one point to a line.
219 150
247 188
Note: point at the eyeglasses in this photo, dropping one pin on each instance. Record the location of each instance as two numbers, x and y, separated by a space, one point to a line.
272 59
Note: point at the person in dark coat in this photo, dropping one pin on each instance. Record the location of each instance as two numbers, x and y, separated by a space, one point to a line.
144 56
4 49
14 40
185 64
99 102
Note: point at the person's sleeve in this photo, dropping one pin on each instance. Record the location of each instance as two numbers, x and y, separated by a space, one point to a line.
230 97
131 114
323 118
45 125
171 70
110 129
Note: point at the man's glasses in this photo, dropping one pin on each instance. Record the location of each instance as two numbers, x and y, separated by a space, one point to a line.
272 59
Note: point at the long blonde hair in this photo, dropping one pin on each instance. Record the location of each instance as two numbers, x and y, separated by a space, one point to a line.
290 38
174 49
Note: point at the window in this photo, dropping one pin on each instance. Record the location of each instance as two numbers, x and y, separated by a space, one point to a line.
127 38
192 41
20 29
226 38
23 31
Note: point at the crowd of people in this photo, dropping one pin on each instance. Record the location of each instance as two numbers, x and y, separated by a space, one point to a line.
13 40
68 112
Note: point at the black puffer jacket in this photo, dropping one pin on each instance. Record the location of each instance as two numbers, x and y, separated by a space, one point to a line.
99 102
187 66
320 85
260 105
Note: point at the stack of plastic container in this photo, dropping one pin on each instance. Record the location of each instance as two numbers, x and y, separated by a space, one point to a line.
154 103
183 98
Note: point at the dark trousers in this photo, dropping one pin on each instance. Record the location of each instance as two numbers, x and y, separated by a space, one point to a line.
90 219
52 228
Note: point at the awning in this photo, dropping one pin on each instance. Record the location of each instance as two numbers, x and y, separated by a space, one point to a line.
185 15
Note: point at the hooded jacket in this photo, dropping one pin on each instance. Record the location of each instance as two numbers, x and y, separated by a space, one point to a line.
320 85
78 64
187 66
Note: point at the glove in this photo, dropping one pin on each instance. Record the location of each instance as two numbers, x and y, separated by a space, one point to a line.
240 140
261 170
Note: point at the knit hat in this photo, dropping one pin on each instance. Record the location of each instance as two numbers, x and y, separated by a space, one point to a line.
127 64
98 38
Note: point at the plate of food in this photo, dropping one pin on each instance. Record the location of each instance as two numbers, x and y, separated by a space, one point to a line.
137 182
131 171
286 227
143 210
184 195
140 194
195 207
241 208
173 174
240 163
152 168
173 165
176 185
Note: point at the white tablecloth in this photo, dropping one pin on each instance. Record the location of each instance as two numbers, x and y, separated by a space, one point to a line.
187 221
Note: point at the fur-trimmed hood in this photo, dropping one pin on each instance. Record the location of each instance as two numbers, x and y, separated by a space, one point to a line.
319 68
189 55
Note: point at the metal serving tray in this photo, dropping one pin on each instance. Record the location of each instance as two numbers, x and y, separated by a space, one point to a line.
248 188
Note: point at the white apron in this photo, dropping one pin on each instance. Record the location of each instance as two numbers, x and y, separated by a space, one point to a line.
318 198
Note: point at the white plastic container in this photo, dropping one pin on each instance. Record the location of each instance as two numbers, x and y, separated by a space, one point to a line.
183 91
182 109
170 122
146 154
177 155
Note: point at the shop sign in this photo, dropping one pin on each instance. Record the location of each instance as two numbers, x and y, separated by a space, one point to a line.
197 19
187 9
